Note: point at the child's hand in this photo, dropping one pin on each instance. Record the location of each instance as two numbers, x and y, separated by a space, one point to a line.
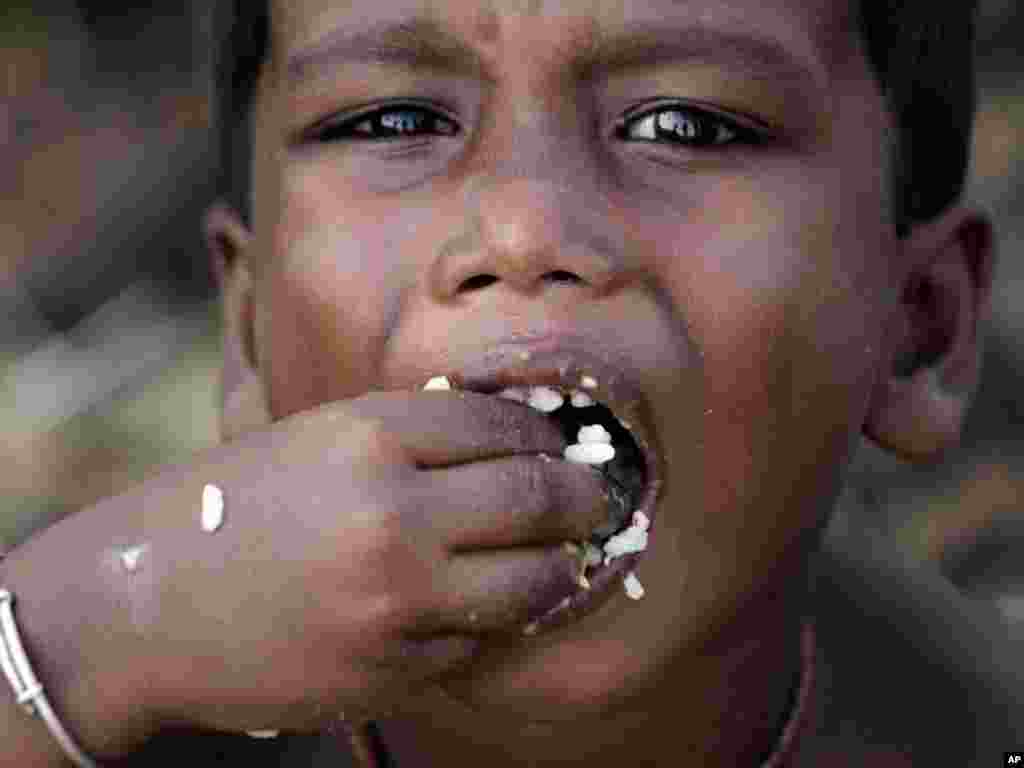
365 546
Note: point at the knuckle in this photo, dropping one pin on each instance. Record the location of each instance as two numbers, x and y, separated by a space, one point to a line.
409 500
383 539
389 610
367 428
380 442
391 529
404 558
377 609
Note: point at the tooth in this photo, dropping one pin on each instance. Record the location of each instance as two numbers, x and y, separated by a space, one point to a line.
545 399
581 399
595 433
519 394
263 734
634 588
588 382
631 540
590 453
641 521
438 382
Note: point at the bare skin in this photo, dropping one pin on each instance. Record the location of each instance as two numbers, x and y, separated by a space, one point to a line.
758 291
332 587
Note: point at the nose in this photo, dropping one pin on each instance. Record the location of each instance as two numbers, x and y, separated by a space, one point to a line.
528 234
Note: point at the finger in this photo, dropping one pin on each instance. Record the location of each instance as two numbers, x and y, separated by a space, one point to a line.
515 501
423 658
503 589
441 428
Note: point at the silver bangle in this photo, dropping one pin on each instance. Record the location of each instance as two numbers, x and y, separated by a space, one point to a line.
27 690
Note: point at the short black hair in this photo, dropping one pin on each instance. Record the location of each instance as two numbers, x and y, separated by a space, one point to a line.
921 53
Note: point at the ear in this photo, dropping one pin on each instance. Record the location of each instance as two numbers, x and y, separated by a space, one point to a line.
228 241
920 401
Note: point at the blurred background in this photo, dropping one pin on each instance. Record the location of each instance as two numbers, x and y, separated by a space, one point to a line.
109 347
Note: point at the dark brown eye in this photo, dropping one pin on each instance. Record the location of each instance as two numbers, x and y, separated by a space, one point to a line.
685 126
389 123
679 125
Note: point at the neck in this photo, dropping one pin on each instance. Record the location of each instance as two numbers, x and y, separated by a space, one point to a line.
724 705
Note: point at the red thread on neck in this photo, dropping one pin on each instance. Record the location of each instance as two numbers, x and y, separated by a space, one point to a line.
798 721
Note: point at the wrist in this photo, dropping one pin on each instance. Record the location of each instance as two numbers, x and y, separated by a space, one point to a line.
27 742
64 620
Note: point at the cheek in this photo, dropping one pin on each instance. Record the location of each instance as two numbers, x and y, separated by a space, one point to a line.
779 303
326 295
779 280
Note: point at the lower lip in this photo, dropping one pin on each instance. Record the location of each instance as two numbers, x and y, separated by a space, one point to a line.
586 601
605 578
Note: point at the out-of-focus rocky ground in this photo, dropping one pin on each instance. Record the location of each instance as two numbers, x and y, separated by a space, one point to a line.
109 347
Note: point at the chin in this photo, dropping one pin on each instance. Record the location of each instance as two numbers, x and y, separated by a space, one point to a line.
555 678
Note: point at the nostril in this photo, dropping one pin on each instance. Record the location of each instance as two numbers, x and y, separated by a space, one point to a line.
561 276
482 281
479 281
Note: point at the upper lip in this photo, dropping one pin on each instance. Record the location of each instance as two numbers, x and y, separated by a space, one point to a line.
562 361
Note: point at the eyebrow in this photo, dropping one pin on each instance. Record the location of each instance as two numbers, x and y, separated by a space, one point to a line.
423 44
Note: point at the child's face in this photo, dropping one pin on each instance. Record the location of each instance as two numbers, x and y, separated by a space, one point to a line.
750 286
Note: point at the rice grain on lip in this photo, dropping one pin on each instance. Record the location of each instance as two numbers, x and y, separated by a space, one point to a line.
634 589
438 382
633 539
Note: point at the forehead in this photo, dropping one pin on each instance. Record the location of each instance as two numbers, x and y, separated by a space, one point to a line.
816 32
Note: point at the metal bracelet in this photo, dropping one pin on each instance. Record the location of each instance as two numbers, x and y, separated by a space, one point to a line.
27 690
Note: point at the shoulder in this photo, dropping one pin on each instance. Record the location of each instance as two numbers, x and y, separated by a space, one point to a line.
910 668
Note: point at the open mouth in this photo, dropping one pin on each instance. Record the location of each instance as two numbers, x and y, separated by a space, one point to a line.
595 435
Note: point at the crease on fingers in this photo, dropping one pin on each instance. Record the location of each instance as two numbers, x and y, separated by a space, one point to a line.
502 590
520 501
441 433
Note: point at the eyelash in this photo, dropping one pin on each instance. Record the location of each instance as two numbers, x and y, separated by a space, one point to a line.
693 126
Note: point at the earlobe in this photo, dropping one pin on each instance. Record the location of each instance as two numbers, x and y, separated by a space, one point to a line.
915 417
226 237
921 398
243 405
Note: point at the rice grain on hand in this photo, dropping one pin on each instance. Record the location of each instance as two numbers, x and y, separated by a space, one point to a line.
213 508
